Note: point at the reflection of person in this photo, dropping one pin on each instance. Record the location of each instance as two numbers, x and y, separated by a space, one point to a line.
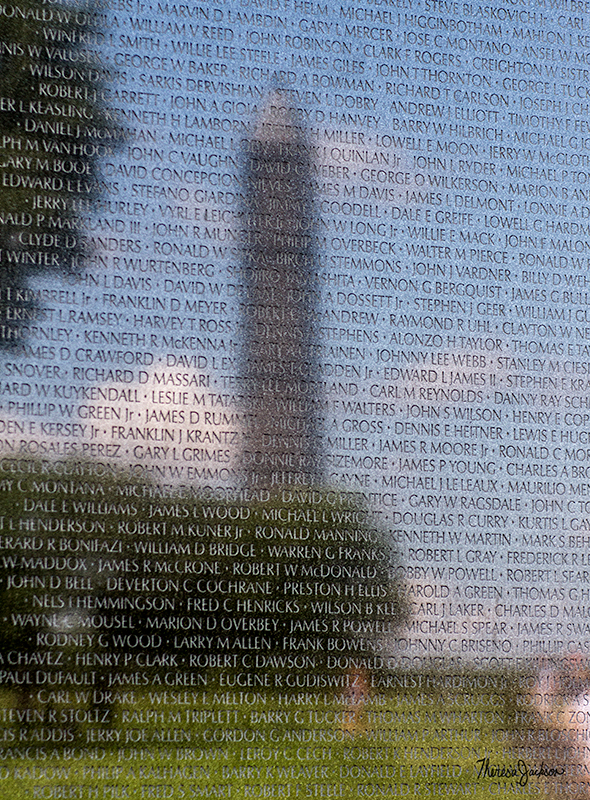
356 695
558 701
278 257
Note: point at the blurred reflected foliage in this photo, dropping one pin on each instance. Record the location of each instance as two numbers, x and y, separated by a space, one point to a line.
54 127
112 564
230 579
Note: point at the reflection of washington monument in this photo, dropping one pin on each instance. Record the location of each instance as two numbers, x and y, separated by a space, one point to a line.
282 437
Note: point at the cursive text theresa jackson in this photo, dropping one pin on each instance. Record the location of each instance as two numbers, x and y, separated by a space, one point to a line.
519 771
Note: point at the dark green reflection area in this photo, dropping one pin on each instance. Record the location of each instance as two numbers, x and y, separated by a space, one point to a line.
56 124
425 735
156 643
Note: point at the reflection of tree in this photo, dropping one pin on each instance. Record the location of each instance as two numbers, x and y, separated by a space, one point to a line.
53 129
185 581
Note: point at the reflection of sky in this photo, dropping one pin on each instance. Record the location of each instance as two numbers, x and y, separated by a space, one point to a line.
451 190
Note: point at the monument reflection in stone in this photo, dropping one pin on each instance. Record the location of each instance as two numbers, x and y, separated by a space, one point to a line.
281 368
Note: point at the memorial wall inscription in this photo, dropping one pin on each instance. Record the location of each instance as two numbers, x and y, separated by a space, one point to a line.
294 399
